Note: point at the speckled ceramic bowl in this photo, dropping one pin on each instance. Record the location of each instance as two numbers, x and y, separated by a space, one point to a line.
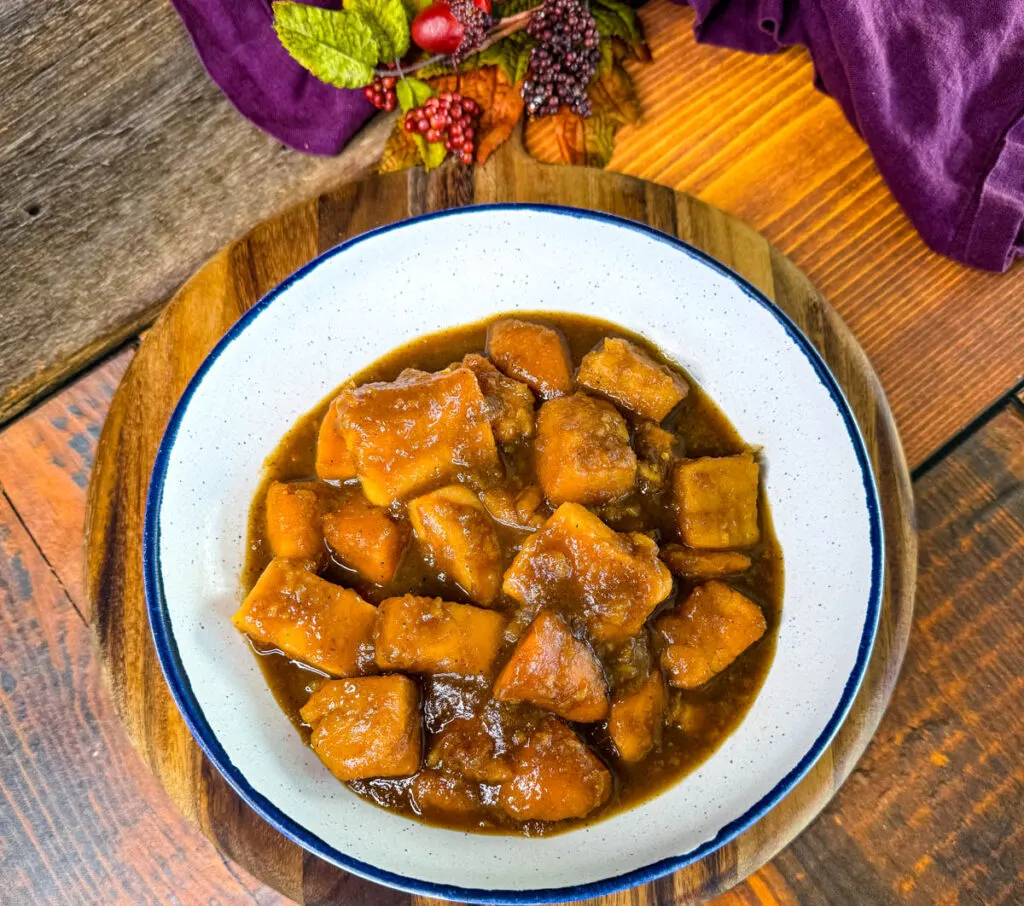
384 288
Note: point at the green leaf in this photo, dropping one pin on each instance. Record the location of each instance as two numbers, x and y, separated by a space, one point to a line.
389 22
440 67
337 47
607 11
414 93
510 54
607 59
511 7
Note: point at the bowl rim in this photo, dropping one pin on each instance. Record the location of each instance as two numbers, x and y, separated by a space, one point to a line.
181 689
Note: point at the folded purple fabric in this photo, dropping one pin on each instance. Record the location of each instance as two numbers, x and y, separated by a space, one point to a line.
236 41
935 87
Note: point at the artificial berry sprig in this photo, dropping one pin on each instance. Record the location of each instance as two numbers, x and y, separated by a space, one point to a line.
381 92
449 118
564 61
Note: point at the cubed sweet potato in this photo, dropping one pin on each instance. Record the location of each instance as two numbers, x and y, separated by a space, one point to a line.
575 560
510 401
694 564
294 511
553 669
442 795
309 619
367 726
365 537
555 777
466 747
707 632
522 509
532 353
333 458
717 501
428 635
418 431
582 452
636 718
459 536
625 373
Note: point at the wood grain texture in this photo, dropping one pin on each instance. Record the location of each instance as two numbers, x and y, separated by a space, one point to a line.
143 170
123 169
83 821
233 281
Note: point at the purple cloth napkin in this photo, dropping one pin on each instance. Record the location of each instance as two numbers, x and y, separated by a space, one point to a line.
235 39
935 87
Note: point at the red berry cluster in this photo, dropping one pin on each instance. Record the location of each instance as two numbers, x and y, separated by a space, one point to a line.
449 118
381 92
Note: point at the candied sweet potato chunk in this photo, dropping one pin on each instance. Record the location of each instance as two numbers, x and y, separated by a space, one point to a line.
510 401
333 458
445 795
465 747
625 373
294 512
717 501
365 538
582 453
553 669
694 564
420 430
458 533
367 726
576 562
428 635
309 619
707 632
532 353
636 718
522 509
555 776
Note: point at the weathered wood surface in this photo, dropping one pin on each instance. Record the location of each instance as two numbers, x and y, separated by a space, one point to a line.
927 817
122 169
120 160
235 279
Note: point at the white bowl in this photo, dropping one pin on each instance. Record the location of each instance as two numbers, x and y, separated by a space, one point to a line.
362 299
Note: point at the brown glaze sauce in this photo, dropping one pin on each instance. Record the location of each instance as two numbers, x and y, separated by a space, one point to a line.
704 717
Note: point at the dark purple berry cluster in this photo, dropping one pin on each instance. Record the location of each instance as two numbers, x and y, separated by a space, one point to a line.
564 61
381 92
475 22
449 118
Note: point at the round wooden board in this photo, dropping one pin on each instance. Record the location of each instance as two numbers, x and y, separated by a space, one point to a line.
243 272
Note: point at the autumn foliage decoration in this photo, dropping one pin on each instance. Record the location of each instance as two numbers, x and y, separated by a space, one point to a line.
464 72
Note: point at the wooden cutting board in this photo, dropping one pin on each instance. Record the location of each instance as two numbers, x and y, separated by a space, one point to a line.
243 272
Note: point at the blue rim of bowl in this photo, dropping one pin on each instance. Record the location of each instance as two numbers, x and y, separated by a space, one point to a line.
181 689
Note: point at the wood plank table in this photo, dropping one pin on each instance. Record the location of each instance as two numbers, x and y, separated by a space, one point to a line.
105 211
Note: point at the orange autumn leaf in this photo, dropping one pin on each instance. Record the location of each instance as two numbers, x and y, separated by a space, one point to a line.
400 151
500 102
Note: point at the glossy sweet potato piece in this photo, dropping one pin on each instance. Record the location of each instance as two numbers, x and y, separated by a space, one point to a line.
309 619
636 718
556 776
365 538
582 452
625 373
333 458
465 747
520 509
532 353
428 635
707 632
435 793
458 534
575 560
554 670
510 401
717 501
422 430
694 564
294 511
366 727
